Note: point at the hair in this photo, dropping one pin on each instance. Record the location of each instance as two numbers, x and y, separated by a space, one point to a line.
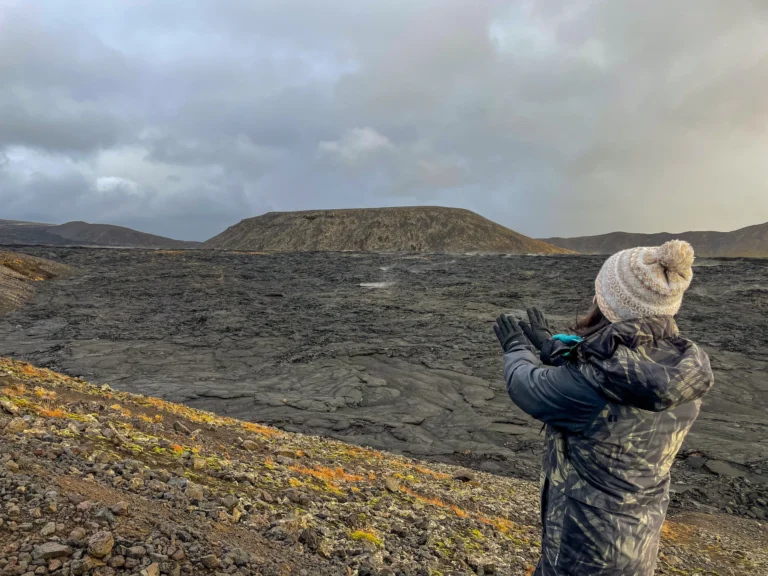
593 321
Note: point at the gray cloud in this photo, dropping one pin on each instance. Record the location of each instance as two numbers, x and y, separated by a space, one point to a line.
551 117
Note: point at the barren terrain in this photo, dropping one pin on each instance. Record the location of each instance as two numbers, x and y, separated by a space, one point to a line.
394 352
427 229
106 483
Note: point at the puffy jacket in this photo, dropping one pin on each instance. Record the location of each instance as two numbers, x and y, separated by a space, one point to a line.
617 408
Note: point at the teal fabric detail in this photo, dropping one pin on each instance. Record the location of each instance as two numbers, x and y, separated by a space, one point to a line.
568 339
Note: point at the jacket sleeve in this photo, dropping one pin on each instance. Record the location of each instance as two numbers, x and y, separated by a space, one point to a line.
559 396
555 353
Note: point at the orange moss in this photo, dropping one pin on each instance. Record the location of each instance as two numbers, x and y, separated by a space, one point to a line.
357 451
426 499
259 429
484 520
504 525
17 389
501 524
459 512
327 474
124 411
33 372
677 533
51 413
428 472
43 393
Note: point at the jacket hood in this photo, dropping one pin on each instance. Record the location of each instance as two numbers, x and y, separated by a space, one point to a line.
646 363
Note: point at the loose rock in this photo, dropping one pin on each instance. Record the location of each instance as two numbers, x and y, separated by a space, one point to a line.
391 484
48 529
51 550
101 544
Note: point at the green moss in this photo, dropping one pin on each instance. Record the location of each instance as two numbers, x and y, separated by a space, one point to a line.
367 536
213 463
79 417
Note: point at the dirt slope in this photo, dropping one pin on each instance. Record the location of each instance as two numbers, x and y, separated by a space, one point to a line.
19 272
413 229
97 481
746 242
83 234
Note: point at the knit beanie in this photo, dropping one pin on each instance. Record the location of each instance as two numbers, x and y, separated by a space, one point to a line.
642 282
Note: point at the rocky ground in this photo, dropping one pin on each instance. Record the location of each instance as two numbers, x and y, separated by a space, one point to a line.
394 352
96 481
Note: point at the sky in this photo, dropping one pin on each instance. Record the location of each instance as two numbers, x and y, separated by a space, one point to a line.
181 117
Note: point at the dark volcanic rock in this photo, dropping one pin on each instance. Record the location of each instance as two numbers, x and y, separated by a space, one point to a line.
724 469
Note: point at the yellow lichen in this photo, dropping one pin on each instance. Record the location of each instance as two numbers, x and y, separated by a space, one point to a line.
368 536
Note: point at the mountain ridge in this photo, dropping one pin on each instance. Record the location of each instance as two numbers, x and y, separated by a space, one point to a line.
401 229
750 241
79 233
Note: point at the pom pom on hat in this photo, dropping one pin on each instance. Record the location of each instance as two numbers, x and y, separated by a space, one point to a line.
676 256
646 281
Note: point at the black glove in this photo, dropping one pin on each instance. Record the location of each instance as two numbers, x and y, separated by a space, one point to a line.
538 331
509 333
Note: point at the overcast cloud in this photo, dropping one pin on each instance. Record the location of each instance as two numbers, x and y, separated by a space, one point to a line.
551 117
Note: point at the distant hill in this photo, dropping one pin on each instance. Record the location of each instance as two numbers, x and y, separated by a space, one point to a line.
751 241
13 232
412 229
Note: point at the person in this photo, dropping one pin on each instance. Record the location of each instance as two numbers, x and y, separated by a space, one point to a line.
617 398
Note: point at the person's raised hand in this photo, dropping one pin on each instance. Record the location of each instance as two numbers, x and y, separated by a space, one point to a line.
509 333
537 328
